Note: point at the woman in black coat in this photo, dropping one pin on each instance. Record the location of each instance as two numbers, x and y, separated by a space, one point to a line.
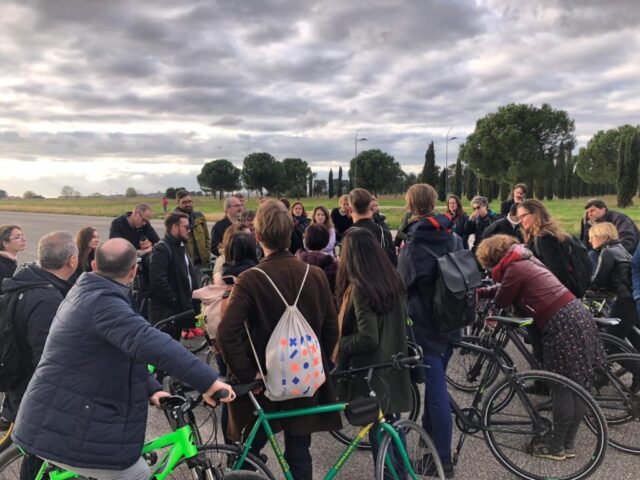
613 275
12 242
459 217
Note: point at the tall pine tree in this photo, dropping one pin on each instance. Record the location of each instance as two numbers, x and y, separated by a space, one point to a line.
430 171
628 161
560 176
331 183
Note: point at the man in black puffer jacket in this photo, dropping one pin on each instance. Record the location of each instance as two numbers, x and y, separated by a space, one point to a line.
86 406
596 211
39 290
171 272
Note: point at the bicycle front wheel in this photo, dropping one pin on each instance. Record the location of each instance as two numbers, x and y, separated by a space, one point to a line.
515 432
349 432
617 391
223 457
613 345
419 448
192 339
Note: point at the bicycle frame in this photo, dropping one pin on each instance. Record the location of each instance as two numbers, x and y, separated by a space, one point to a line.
264 418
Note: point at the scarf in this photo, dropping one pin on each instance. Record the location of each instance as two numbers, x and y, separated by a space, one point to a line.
515 253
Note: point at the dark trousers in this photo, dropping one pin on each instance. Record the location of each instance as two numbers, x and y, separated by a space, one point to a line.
625 310
296 453
436 419
568 410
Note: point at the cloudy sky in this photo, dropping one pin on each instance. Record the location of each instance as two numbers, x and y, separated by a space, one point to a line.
103 95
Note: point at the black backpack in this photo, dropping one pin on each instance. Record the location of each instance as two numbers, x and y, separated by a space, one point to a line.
454 301
15 363
579 265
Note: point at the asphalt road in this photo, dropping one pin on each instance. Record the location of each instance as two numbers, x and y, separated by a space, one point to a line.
476 462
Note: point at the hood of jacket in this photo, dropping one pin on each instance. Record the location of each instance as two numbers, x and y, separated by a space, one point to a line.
514 254
430 228
31 276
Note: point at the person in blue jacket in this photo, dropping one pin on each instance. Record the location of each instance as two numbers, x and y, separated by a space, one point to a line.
418 270
85 408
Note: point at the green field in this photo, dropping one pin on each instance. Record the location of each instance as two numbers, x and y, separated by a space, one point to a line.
567 212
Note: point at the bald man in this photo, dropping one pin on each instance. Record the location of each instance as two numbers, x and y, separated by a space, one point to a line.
85 409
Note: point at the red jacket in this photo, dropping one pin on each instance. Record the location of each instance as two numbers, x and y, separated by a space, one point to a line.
528 285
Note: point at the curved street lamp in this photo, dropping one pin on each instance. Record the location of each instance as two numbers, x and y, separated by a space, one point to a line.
355 154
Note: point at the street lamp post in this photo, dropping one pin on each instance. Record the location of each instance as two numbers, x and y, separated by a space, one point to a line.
355 155
446 160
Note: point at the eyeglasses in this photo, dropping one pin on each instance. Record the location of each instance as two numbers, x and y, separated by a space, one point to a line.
184 202
18 237
476 208
523 216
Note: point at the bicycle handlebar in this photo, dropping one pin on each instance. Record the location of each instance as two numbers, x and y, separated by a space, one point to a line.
180 316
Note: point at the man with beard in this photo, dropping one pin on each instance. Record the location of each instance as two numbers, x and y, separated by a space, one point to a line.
198 244
171 272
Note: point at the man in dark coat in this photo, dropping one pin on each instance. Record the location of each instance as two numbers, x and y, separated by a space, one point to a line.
39 289
232 211
255 302
171 272
596 211
362 215
135 227
509 225
85 408
518 194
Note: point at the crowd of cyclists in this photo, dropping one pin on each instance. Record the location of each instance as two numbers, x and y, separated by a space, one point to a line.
86 375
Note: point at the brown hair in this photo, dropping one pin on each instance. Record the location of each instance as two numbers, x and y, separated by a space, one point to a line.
316 236
459 210
543 224
5 234
366 267
174 219
492 249
83 238
360 200
523 186
230 231
328 222
274 225
304 212
606 231
421 199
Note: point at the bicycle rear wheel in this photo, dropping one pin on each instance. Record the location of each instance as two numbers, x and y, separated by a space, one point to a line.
349 432
513 431
619 399
420 450
11 461
613 345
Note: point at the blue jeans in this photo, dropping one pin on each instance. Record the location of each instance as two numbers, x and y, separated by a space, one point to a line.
436 419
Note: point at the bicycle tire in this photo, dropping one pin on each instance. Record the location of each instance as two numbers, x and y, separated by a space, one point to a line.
11 462
620 404
193 344
421 451
613 345
509 440
349 432
223 455
466 367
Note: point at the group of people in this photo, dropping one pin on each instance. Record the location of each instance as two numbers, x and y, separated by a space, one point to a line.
360 289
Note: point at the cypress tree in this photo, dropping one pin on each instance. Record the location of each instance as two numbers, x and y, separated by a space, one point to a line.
429 170
457 186
442 188
471 185
339 189
330 186
628 161
560 176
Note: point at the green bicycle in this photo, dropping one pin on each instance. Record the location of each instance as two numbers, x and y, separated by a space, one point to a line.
175 455
405 449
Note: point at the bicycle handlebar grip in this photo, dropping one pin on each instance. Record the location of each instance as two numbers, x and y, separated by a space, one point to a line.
220 394
181 316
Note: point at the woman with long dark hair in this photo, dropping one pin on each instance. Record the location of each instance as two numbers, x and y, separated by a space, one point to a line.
87 241
372 322
12 242
321 216
459 217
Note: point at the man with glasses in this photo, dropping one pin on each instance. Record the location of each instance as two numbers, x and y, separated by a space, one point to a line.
232 210
480 219
171 272
136 228
198 245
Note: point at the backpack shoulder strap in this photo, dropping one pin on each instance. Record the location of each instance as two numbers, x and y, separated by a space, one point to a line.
278 291
427 249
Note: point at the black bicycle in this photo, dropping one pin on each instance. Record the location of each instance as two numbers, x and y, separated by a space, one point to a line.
183 324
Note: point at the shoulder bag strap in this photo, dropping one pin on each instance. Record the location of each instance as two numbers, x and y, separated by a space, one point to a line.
427 249
273 284
253 348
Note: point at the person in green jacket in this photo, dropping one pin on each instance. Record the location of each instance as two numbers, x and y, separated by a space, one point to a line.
372 323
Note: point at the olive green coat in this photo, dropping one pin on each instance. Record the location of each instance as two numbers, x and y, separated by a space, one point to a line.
369 338
198 238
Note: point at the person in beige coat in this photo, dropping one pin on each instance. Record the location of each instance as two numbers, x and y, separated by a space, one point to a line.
255 302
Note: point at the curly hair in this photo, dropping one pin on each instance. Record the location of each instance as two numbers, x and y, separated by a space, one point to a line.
492 249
